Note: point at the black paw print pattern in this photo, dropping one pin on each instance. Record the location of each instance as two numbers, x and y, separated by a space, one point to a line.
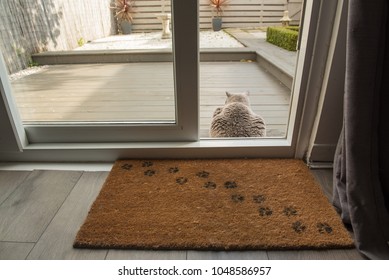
202 174
230 185
265 211
324 228
149 172
259 198
210 185
237 198
147 164
299 227
290 211
127 166
181 180
173 170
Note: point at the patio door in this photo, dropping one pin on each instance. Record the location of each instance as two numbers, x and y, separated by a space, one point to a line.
180 137
162 106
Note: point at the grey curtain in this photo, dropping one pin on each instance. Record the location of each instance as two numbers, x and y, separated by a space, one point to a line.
361 164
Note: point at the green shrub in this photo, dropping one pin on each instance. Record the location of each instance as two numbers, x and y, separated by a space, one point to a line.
293 27
284 37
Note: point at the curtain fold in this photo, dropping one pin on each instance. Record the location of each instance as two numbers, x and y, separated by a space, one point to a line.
361 163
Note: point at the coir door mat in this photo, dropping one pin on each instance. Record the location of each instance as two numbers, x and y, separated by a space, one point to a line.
212 205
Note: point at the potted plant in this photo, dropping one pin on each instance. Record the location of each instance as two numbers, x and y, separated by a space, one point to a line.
217 6
123 13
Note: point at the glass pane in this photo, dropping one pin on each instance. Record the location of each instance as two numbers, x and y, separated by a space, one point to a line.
108 61
238 58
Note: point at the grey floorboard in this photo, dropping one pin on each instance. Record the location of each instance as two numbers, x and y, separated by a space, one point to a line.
324 178
9 181
145 255
42 212
25 214
57 240
14 251
227 255
349 254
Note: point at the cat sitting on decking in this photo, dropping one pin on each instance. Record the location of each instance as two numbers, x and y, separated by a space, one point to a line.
236 119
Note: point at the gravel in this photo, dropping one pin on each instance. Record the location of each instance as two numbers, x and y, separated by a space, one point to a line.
27 72
153 40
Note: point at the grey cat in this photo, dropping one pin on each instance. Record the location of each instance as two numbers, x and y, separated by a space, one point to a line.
236 119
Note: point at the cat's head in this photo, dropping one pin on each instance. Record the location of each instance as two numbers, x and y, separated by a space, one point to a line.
242 97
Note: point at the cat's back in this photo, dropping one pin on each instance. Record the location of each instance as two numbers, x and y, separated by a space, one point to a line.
237 112
237 120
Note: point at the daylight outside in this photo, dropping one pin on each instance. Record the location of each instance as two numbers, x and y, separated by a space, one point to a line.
111 61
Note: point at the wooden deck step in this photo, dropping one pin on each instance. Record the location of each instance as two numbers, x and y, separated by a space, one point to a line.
281 63
127 56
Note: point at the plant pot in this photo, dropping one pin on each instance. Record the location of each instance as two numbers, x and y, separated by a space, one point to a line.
216 23
126 27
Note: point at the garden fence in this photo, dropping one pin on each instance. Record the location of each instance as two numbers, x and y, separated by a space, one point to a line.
237 13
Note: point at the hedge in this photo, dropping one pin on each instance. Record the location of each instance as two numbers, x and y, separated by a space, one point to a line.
293 27
284 37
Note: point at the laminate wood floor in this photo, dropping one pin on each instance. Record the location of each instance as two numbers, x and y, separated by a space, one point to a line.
42 210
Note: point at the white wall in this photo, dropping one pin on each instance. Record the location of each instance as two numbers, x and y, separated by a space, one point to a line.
28 27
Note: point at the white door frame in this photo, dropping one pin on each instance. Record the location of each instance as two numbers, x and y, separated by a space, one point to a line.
13 136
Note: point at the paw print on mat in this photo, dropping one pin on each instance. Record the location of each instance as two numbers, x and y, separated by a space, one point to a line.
149 172
290 211
299 227
181 180
147 164
230 185
237 198
324 228
210 185
202 174
259 198
265 211
126 166
173 169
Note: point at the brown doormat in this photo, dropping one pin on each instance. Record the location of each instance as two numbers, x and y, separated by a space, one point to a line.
212 205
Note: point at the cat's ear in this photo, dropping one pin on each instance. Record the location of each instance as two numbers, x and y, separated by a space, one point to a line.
247 93
228 94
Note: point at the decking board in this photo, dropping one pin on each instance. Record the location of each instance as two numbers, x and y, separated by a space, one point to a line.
144 92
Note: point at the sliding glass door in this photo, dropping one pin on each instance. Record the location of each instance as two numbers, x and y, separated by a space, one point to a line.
173 129
152 99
